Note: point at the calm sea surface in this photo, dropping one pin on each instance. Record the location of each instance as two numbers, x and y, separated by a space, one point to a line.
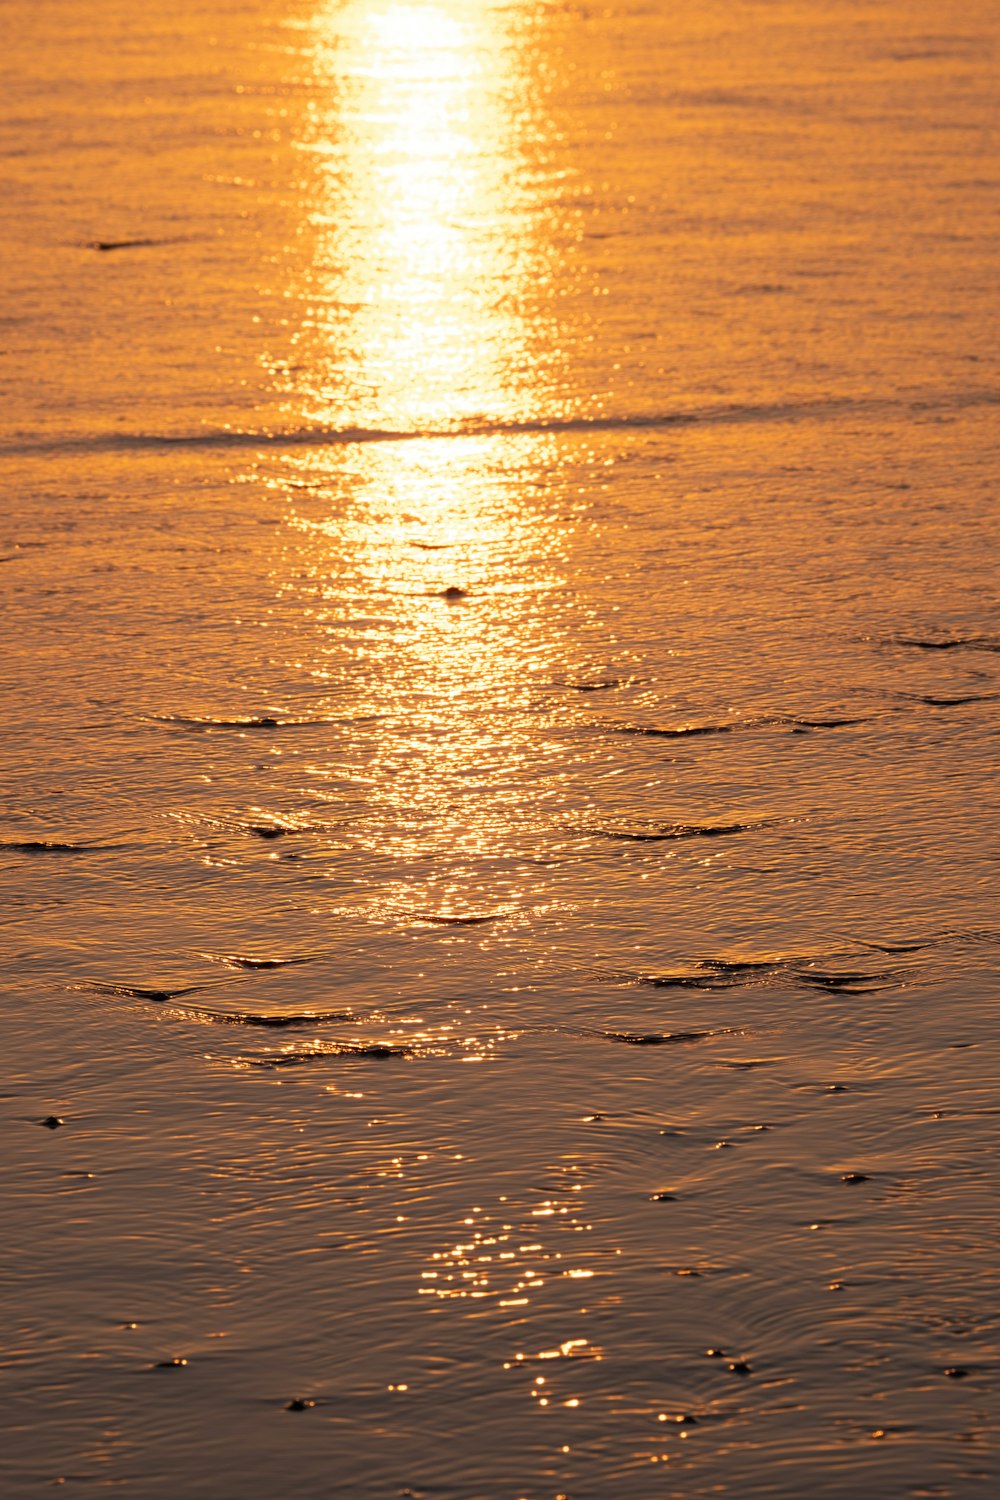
502 669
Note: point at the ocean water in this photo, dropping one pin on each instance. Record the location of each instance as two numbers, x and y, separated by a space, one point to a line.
502 658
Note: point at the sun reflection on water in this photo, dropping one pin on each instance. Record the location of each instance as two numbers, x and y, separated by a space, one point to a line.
426 217
507 1251
429 566
433 587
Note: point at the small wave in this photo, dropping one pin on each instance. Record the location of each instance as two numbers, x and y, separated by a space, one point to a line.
766 721
458 919
671 831
898 947
817 973
248 961
212 722
677 981
273 1020
318 437
747 1063
325 1052
272 828
677 732
956 702
829 723
141 992
851 981
246 721
277 1021
658 1038
255 822
739 967
947 643
139 244
53 846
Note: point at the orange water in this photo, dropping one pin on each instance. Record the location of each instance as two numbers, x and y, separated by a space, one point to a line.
499 837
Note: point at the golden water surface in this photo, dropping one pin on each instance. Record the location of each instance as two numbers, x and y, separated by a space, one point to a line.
499 548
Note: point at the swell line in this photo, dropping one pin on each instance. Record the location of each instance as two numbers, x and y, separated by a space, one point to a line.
319 437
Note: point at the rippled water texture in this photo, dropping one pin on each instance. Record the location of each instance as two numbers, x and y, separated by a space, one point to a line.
499 836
